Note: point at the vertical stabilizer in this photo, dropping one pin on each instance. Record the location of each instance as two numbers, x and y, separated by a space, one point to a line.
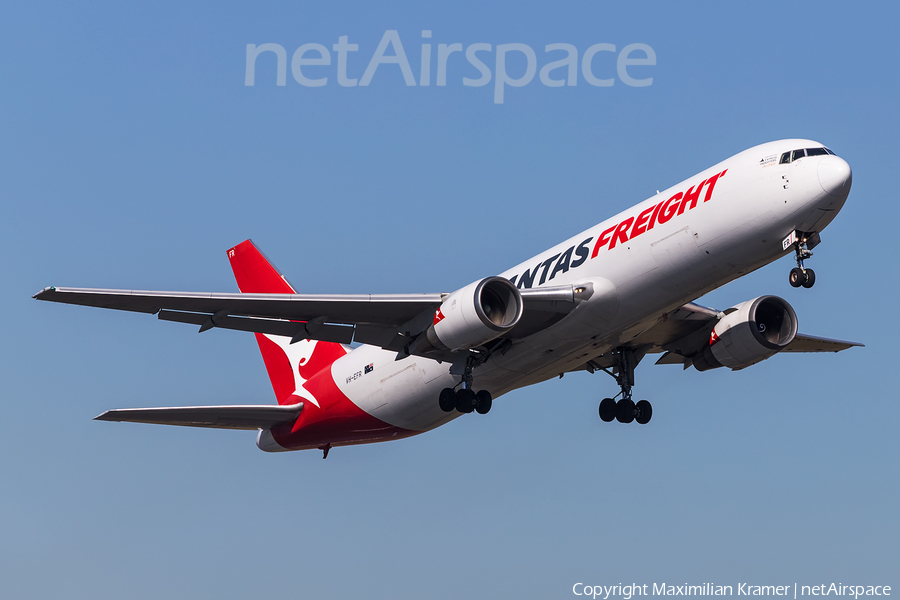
254 273
289 365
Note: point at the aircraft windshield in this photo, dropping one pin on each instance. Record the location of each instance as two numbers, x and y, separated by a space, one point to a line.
789 157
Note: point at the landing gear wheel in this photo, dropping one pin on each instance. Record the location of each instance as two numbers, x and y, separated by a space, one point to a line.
465 400
797 278
483 402
644 412
625 411
810 279
607 410
447 399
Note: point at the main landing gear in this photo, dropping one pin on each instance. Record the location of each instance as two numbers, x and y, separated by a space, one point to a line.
465 400
800 275
625 410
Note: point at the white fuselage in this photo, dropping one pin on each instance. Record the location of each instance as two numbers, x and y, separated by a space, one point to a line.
645 272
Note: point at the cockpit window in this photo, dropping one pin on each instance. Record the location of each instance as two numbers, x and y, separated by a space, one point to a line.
788 157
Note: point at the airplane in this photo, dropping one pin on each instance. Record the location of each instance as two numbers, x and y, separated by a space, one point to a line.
358 369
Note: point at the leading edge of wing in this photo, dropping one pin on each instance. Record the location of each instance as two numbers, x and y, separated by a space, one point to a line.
385 309
251 416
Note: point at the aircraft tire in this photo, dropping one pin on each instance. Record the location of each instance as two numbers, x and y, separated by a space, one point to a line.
810 279
483 402
447 399
465 400
796 277
607 410
625 411
645 412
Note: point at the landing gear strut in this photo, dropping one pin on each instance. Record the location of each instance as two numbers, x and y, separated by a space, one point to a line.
465 400
625 410
800 275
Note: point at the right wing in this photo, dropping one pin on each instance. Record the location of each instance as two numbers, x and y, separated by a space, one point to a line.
320 317
390 321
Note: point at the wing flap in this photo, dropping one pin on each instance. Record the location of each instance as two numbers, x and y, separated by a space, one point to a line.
217 417
341 334
680 331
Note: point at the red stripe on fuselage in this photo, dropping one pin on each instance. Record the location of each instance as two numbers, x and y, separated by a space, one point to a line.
337 421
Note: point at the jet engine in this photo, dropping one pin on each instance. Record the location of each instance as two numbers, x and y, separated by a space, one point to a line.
749 333
472 316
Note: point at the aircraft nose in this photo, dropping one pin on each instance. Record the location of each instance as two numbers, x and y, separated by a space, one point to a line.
835 175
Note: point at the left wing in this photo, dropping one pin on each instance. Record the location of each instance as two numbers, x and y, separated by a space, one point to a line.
685 331
813 343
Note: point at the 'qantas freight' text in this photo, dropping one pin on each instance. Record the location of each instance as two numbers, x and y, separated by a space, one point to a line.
620 233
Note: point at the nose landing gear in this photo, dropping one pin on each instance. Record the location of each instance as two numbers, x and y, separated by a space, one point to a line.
802 242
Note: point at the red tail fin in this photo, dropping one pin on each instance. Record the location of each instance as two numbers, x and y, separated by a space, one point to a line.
254 273
289 365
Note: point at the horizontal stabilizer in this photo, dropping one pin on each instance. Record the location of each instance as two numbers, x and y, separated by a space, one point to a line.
261 416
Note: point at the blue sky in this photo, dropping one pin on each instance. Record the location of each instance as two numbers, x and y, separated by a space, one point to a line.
133 156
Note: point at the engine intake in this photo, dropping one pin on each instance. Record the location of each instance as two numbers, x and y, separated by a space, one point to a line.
750 333
472 316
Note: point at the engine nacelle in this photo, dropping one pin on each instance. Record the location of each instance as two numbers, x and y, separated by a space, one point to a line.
472 316
751 332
